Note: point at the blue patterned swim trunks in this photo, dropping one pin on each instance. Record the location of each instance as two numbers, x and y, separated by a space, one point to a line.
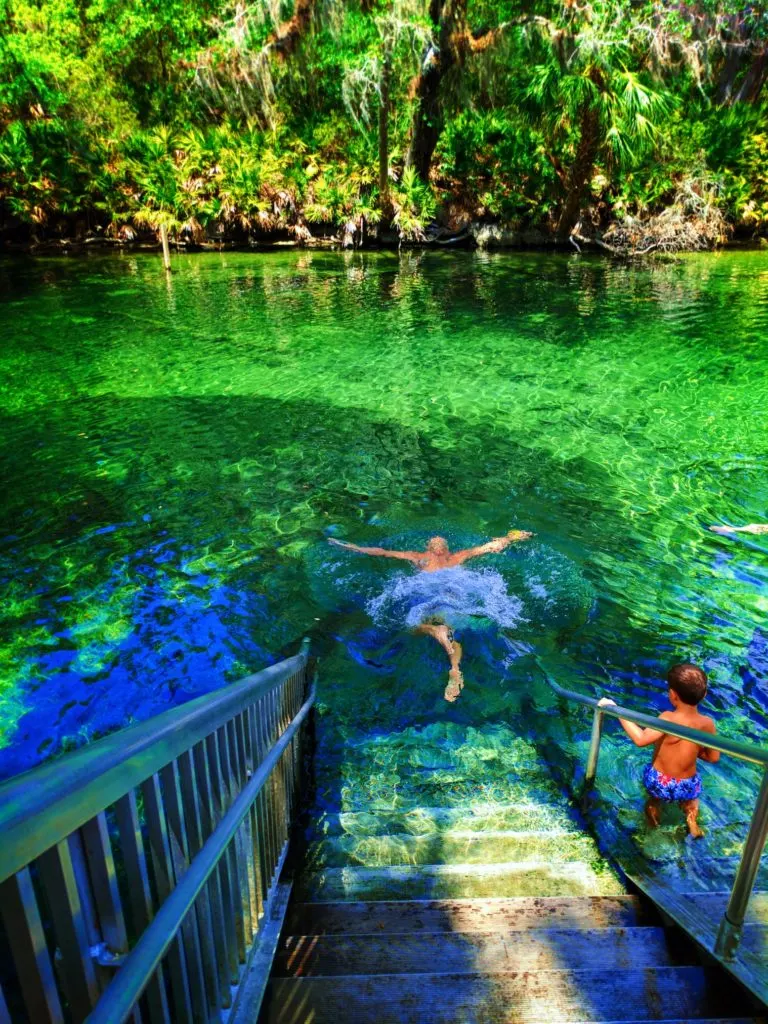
664 787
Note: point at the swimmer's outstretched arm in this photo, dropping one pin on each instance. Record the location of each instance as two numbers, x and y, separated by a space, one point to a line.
749 528
408 556
492 547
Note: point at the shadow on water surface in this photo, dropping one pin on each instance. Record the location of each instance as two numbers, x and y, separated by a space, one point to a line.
155 548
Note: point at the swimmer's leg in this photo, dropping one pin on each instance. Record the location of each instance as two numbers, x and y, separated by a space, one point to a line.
690 809
444 636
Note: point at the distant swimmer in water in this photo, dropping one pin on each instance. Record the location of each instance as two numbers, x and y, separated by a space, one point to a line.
431 608
749 528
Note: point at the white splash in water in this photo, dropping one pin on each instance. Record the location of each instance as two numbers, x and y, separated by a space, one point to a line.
454 595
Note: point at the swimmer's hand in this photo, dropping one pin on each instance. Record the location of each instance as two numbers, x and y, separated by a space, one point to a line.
606 702
514 535
341 543
756 528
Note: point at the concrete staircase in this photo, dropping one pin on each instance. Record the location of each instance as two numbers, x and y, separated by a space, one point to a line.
448 879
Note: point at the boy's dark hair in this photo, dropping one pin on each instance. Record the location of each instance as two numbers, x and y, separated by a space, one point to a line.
689 682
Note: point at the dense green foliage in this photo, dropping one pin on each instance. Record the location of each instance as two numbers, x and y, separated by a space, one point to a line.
219 119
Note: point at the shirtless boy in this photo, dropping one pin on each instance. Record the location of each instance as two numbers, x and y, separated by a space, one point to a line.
672 777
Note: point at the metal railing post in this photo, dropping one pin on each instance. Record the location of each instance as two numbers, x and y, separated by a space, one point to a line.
305 645
729 933
594 750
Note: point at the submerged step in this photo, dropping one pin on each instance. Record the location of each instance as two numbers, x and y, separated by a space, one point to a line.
467 915
521 816
446 881
535 997
556 847
372 795
471 952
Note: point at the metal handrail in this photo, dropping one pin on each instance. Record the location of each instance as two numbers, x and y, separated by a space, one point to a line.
120 997
60 796
170 834
729 932
744 751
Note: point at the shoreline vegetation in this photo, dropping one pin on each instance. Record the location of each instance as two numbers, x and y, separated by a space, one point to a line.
632 129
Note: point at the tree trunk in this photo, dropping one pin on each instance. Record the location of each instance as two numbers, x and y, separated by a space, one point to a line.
448 16
580 173
754 80
728 75
166 249
386 73
428 118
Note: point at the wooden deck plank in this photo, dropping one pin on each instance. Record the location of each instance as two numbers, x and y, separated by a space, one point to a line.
701 925
468 915
469 953
516 998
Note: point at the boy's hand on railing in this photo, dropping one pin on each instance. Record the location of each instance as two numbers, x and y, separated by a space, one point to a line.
605 702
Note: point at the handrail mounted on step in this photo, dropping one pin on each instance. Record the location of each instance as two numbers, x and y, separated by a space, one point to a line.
147 861
729 933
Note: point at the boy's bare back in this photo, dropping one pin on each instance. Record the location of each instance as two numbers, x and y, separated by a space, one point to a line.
677 757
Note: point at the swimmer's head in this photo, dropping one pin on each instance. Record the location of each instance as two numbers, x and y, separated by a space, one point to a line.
437 546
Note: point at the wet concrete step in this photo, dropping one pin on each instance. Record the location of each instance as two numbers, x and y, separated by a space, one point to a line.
468 915
521 816
374 794
537 997
539 949
452 881
557 847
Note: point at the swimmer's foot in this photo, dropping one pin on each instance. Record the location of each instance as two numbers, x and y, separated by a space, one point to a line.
455 685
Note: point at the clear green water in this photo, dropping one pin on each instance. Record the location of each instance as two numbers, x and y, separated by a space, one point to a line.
175 453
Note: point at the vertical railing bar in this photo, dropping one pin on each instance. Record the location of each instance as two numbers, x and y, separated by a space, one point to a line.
190 797
227 869
259 832
221 936
242 836
244 934
177 835
253 825
267 792
135 863
162 864
88 903
280 781
245 756
594 750
29 952
101 868
78 974
729 933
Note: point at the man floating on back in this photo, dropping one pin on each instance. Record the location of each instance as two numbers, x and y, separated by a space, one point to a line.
450 599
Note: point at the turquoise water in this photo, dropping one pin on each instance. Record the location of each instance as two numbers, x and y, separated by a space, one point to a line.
176 453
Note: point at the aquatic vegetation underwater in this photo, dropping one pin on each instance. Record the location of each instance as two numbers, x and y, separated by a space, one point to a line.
177 452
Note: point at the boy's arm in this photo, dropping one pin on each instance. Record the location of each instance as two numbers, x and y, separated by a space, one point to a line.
640 737
408 556
712 756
